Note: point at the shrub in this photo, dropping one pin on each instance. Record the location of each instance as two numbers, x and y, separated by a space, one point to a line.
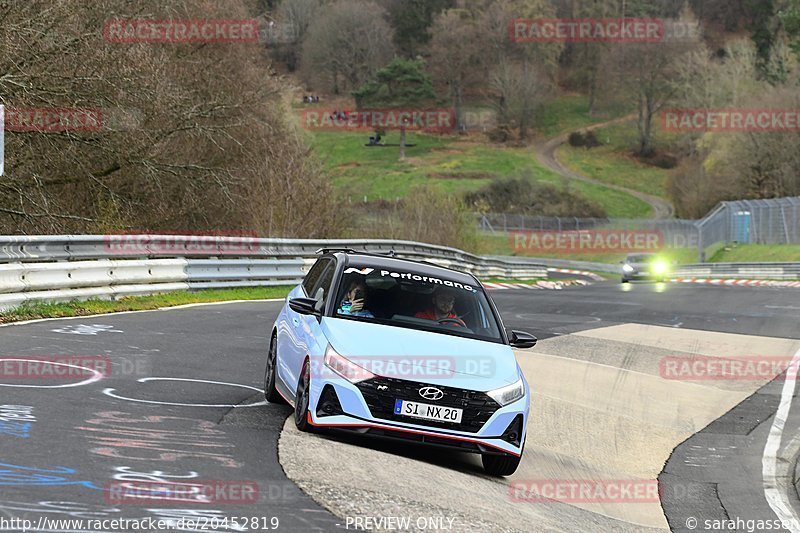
525 196
587 140
576 139
591 139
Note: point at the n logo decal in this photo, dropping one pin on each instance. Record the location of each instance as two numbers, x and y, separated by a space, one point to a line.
362 271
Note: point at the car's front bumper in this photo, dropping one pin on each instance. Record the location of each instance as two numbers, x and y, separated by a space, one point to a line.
353 414
643 275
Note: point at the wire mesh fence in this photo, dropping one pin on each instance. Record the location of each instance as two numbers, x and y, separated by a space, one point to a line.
770 221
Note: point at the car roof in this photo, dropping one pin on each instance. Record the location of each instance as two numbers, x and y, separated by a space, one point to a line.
641 254
398 264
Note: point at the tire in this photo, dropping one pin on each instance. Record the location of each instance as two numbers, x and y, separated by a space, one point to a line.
270 391
500 465
624 280
302 399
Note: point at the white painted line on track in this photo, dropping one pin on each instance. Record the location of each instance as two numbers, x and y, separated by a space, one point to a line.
111 392
775 497
96 375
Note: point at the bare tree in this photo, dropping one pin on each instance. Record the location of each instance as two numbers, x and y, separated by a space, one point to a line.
294 17
766 164
191 134
497 44
521 74
729 165
649 75
522 90
347 42
456 56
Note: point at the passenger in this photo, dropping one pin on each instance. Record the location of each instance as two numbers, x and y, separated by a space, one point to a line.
354 301
444 299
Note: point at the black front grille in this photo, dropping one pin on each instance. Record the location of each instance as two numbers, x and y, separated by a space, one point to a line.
477 406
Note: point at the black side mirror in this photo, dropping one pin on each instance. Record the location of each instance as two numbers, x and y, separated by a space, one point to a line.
520 339
304 306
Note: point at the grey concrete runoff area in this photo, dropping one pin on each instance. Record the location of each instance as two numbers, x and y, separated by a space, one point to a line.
181 403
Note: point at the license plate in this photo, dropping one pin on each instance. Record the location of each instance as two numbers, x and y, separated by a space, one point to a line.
428 411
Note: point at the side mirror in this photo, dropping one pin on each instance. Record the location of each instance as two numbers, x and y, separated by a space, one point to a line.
520 339
304 306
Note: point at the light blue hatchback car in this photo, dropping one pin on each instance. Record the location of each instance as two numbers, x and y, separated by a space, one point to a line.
400 349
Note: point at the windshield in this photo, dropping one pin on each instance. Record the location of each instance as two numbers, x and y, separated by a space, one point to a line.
414 300
645 258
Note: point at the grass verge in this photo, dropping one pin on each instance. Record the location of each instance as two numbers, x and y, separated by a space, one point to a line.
756 253
614 164
451 164
34 310
569 113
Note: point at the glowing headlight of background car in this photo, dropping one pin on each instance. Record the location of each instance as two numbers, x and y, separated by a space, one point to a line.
510 393
627 268
660 267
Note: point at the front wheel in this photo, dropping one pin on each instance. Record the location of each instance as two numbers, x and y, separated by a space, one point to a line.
270 391
500 465
302 399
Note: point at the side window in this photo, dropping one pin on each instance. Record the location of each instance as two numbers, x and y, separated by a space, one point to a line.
310 281
323 288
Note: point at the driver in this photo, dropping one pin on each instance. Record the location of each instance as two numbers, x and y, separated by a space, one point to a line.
443 300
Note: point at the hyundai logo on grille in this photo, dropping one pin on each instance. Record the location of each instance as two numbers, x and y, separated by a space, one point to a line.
431 393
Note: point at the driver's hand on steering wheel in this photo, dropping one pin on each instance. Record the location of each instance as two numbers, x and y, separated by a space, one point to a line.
453 320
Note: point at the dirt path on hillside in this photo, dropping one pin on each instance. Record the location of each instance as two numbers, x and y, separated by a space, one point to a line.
546 154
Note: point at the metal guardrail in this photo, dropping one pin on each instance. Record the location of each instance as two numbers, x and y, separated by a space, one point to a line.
574 265
62 281
61 268
779 271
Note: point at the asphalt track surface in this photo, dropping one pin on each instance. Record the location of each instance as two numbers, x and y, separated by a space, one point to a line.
181 405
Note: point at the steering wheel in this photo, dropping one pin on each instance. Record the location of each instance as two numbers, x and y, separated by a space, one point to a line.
448 320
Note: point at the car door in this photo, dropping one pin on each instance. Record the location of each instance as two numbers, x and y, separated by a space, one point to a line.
308 338
292 346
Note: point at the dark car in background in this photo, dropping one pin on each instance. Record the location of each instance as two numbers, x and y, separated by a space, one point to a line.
644 267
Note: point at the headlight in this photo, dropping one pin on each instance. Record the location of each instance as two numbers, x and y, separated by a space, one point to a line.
660 267
510 393
627 268
344 367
